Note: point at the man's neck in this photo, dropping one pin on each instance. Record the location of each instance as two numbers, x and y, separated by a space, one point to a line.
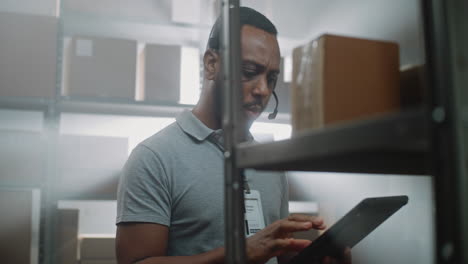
206 111
206 116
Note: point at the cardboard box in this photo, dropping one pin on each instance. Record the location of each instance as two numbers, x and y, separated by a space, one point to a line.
339 79
28 55
100 67
66 251
162 73
413 86
19 229
97 248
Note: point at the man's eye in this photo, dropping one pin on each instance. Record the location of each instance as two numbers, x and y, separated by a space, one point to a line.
272 80
249 73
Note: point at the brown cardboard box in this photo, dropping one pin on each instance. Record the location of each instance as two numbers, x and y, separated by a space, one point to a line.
19 225
67 236
28 55
413 86
100 67
162 73
97 248
341 78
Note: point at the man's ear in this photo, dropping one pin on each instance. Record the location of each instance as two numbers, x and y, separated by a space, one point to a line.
211 64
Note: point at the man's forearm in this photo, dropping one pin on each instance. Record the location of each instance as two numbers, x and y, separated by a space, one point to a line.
215 256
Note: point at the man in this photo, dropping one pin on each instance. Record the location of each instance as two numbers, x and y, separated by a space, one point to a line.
170 201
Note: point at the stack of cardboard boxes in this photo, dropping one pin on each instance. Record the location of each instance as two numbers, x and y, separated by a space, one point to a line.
93 67
337 79
97 67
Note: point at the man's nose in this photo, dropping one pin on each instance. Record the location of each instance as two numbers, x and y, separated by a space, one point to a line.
261 87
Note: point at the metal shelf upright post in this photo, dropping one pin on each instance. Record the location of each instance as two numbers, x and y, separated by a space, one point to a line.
52 132
233 134
445 33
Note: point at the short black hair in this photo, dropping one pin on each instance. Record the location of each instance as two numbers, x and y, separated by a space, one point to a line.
247 16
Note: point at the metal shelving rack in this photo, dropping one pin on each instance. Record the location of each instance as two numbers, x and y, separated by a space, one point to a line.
412 142
418 141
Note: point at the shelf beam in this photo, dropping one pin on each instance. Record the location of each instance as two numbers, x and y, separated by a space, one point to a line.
391 144
25 103
120 108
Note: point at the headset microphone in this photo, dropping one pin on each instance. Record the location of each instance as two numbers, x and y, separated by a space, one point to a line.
275 111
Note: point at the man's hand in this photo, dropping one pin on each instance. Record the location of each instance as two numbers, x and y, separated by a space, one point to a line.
276 239
147 243
344 259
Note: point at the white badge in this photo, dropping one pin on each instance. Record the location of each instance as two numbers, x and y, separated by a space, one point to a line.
254 221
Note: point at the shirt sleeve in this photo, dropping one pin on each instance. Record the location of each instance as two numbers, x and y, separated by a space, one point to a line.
144 189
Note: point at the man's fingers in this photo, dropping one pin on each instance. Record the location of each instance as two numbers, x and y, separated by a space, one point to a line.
347 258
317 222
327 260
304 218
298 244
290 225
286 227
321 226
291 244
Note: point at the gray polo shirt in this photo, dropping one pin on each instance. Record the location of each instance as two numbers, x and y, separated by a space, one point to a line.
175 178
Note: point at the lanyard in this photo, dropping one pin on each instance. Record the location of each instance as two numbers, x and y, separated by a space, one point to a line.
217 139
253 211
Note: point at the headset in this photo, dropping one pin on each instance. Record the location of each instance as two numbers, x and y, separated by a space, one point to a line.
275 111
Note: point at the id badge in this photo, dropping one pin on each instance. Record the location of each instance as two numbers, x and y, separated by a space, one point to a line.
254 220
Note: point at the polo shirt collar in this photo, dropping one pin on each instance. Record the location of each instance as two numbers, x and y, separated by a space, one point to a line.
191 125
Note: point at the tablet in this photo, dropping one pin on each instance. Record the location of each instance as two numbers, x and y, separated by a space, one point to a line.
351 228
